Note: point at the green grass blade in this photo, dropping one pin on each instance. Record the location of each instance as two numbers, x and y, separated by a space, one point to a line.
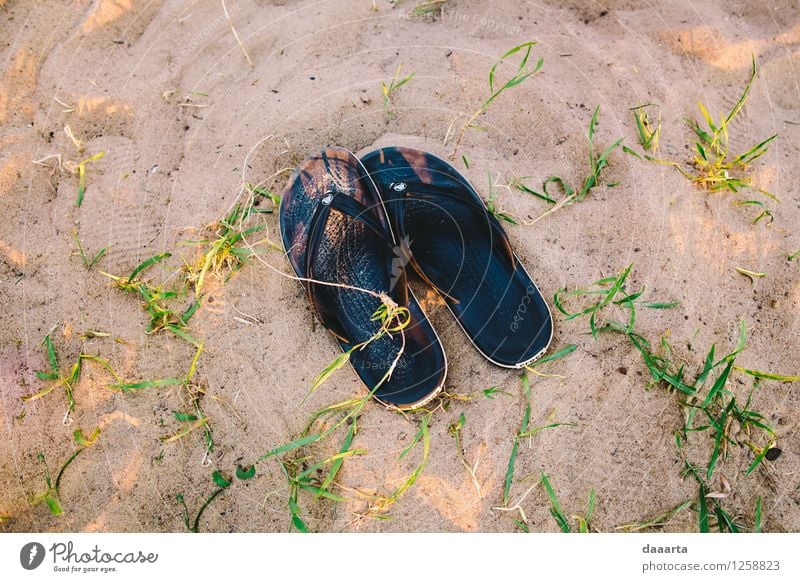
147 384
768 375
719 384
337 464
53 504
555 509
703 511
512 459
148 263
292 445
297 521
757 524
51 354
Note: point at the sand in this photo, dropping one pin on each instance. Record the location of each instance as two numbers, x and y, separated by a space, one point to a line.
165 91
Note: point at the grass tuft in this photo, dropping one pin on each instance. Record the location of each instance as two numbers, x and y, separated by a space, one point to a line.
51 496
714 167
714 162
55 378
648 131
395 83
597 163
431 8
156 300
88 262
523 71
225 250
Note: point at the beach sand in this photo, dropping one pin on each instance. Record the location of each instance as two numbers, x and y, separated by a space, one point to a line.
184 119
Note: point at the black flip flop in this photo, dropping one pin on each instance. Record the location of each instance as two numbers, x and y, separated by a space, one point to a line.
463 252
335 230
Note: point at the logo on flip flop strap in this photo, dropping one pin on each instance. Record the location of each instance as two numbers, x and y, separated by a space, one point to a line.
31 555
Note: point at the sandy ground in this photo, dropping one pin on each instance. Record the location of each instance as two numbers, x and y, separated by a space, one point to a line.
164 90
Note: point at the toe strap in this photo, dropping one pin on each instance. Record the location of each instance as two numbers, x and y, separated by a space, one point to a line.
404 192
348 206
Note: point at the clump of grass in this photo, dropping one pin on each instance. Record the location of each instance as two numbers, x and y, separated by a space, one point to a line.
55 378
714 162
714 167
710 406
51 496
597 163
648 131
197 418
603 293
293 459
495 90
88 262
395 83
225 251
584 522
793 256
156 300
432 8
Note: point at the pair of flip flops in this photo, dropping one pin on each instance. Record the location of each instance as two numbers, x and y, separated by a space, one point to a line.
351 226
